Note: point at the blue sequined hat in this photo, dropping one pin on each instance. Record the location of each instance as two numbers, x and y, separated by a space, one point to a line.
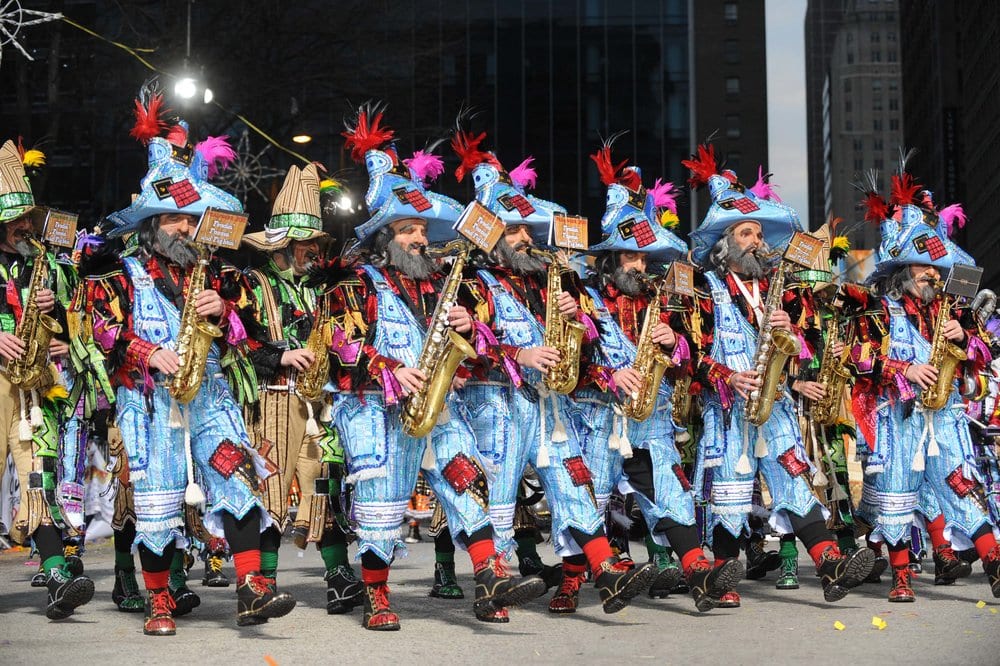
395 191
504 193
733 203
177 178
631 220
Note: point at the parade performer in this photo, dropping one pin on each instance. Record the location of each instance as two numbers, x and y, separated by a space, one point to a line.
381 312
142 317
921 455
518 420
30 391
732 245
640 455
292 368
827 426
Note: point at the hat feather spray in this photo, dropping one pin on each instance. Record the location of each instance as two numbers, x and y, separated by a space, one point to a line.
364 132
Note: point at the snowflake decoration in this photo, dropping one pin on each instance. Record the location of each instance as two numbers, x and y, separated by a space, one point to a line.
247 171
13 17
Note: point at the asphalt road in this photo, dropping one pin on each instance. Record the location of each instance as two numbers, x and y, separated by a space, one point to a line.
945 625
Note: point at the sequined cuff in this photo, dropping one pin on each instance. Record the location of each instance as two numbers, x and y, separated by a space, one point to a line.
682 352
483 338
235 331
591 329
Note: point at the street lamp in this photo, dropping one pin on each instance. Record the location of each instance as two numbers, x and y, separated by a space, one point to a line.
302 138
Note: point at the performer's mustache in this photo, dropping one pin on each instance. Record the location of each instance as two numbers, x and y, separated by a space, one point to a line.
419 247
522 246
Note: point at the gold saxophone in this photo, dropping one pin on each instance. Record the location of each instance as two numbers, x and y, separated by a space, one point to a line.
560 333
945 356
833 376
195 338
442 353
774 347
310 382
681 401
650 362
36 330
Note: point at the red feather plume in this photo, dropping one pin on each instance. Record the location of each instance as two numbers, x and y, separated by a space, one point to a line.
366 135
605 167
904 189
876 208
703 165
467 148
148 123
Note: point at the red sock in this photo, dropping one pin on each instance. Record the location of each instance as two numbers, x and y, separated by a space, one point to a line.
374 576
571 568
816 552
690 557
155 580
984 545
899 558
597 550
480 551
246 562
936 529
876 546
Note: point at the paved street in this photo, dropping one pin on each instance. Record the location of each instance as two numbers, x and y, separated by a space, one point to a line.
943 626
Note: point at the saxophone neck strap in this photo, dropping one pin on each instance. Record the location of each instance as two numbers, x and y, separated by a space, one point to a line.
270 304
752 296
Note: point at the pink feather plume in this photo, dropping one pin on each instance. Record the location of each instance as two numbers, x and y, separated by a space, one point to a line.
952 216
524 175
217 153
425 167
664 195
763 188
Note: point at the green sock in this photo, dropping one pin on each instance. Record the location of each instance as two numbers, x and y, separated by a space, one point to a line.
654 548
124 561
788 549
177 564
269 562
333 556
526 546
53 562
444 558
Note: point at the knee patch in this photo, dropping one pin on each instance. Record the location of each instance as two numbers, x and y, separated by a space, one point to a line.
465 475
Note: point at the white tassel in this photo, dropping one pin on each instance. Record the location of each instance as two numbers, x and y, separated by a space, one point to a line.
682 437
24 430
312 428
760 450
175 415
326 416
839 494
625 446
36 410
918 460
932 448
542 461
614 441
743 466
444 416
819 478
429 460
193 494
559 431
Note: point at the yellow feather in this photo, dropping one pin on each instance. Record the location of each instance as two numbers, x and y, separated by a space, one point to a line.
33 158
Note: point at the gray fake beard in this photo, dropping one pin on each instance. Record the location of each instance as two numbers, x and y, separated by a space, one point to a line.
748 263
925 292
25 249
175 249
521 263
627 281
416 266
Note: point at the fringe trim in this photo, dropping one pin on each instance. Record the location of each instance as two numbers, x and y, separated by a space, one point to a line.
365 474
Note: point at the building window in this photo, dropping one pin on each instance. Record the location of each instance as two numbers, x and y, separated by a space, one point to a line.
731 50
877 104
891 56
876 85
850 58
878 143
733 126
876 36
859 145
876 55
890 36
732 85
894 124
859 164
879 163
731 12
894 104
893 85
848 106
733 160
876 124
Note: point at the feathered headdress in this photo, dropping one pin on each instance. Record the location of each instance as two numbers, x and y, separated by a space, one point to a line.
702 165
425 166
217 153
524 175
763 188
363 132
876 208
466 146
610 172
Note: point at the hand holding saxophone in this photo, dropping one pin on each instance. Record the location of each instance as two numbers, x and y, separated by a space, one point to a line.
208 303
300 359
58 348
165 360
811 390
629 380
567 305
922 374
46 300
952 331
11 346
410 379
540 358
460 319
745 382
780 319
664 335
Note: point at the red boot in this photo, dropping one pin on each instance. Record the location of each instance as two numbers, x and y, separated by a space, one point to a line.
901 591
159 614
378 615
567 597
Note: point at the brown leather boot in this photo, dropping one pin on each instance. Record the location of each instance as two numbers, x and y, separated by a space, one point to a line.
159 614
901 592
378 615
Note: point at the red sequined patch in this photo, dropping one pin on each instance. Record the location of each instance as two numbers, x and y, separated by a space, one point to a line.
183 193
227 458
460 473
639 229
790 461
578 471
413 198
959 483
516 201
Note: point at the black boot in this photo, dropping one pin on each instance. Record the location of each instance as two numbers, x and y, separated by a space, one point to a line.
532 565
258 601
214 575
991 565
40 579
126 593
878 568
948 567
185 599
839 573
445 582
66 593
343 590
760 561
496 589
709 584
619 582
